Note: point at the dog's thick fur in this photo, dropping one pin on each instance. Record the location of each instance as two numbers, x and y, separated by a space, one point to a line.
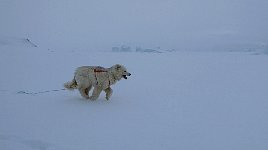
100 78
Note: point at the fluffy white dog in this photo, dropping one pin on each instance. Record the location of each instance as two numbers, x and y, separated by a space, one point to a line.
100 78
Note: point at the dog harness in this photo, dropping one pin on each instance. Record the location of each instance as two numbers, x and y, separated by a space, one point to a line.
99 70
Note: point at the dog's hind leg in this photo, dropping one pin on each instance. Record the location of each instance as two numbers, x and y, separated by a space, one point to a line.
84 87
108 92
88 89
84 92
96 93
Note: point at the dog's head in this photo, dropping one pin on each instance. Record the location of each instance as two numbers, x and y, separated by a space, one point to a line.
120 72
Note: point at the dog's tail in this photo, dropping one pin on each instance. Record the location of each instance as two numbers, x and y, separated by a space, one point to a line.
71 85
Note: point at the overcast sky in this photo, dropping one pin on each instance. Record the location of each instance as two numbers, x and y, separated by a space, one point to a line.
102 24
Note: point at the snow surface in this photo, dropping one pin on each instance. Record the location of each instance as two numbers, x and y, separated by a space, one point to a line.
176 100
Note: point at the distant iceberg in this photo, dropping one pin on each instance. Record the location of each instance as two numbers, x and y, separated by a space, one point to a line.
148 50
125 48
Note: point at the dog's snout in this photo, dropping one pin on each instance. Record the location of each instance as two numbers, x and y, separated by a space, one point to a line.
129 74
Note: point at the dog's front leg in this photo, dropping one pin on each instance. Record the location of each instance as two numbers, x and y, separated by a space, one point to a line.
96 93
108 92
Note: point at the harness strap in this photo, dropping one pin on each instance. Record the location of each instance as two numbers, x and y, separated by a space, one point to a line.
96 78
98 71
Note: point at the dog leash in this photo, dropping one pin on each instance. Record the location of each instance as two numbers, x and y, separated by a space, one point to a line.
40 92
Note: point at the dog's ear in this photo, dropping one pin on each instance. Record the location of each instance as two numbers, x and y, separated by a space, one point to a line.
117 66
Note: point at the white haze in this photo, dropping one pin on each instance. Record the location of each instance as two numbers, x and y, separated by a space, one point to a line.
102 24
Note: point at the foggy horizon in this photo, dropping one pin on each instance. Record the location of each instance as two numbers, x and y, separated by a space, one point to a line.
171 24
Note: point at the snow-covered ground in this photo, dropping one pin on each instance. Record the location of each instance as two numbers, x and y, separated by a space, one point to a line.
175 100
199 74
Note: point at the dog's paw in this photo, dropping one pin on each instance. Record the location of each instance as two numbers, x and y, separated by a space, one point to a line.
107 98
93 98
85 96
109 94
